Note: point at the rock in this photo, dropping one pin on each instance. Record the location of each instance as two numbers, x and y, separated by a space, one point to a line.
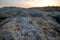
5 35
30 25
57 18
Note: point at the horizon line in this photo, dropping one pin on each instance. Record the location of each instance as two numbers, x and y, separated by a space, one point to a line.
29 7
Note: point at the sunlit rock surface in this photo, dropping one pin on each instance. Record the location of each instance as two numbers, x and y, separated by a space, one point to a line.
28 24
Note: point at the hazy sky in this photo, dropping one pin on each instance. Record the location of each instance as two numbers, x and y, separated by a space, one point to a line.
29 3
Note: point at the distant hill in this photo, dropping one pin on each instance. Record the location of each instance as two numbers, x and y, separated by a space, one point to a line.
47 8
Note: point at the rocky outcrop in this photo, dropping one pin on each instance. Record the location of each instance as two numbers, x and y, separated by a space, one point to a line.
30 25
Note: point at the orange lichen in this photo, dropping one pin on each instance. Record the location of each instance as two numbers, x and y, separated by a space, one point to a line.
41 22
17 28
25 38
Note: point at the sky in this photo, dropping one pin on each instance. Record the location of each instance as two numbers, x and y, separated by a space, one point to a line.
29 3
